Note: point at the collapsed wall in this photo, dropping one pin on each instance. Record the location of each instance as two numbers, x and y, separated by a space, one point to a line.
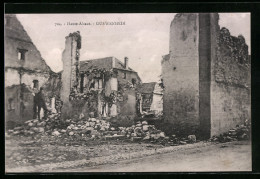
230 82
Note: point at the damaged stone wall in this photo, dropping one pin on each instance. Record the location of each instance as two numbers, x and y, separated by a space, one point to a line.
127 93
230 82
95 90
126 107
12 105
232 63
16 76
157 104
11 77
18 89
129 76
53 85
21 71
206 76
23 65
180 73
70 59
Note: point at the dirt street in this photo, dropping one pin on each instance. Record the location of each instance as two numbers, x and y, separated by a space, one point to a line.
234 156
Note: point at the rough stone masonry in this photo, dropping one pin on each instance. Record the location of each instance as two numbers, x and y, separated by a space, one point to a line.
206 76
70 74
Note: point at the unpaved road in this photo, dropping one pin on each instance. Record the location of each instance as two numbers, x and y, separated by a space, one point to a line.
234 156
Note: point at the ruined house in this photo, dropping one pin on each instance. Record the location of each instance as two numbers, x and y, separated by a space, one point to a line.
151 98
206 76
24 69
103 87
120 82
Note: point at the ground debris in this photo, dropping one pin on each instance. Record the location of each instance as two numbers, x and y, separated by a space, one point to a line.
82 130
240 132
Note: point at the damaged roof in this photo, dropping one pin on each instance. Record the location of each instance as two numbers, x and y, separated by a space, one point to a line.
102 63
146 87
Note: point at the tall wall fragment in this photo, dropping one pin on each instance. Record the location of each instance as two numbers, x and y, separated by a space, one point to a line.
70 73
230 91
180 71
206 76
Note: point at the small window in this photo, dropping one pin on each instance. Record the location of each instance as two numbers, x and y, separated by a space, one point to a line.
81 83
10 104
35 84
21 54
100 84
133 81
124 75
92 84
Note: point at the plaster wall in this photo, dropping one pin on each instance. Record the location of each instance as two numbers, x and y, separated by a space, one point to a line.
181 74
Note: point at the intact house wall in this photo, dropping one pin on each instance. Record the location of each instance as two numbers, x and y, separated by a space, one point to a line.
206 76
23 66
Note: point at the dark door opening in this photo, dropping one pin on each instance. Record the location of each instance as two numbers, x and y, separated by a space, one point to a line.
81 83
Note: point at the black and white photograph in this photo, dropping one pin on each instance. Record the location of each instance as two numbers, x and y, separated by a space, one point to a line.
127 92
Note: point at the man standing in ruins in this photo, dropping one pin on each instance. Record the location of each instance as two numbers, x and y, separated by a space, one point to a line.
40 101
35 90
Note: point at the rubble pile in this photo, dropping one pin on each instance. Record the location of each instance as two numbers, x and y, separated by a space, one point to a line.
78 96
240 132
92 128
32 127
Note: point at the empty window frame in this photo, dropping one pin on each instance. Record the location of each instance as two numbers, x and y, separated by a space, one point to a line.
10 104
35 84
21 54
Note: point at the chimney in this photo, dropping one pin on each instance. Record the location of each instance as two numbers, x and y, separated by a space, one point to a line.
113 62
126 63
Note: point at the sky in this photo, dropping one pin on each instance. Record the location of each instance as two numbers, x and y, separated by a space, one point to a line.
144 38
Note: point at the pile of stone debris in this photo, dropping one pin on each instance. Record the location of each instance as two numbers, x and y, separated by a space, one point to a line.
93 128
33 127
240 132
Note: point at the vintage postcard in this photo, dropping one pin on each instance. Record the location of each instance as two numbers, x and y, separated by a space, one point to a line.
127 92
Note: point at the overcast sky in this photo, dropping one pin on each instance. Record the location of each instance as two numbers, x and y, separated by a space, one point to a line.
144 38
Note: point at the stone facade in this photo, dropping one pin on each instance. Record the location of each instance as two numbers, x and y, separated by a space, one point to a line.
206 76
